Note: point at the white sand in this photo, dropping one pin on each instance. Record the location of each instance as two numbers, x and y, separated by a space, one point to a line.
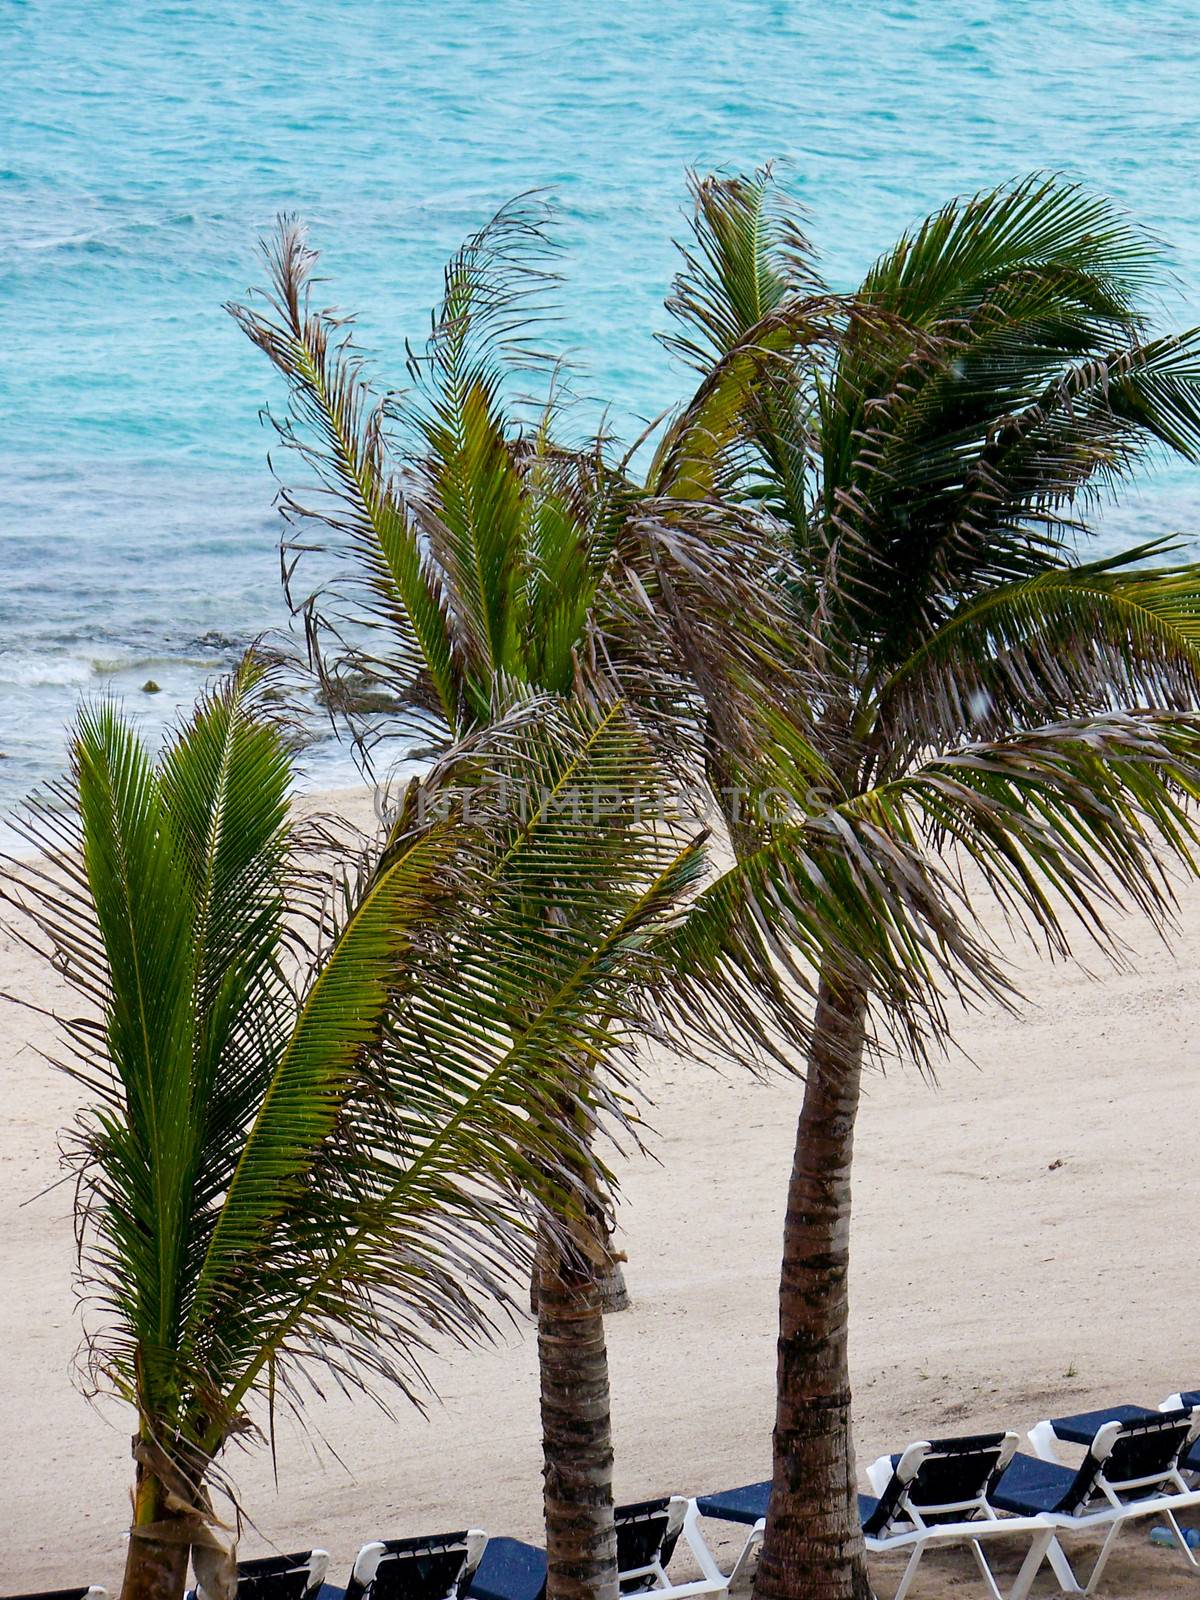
1023 1245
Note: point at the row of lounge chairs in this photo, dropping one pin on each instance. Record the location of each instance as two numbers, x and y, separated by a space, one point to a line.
1138 1463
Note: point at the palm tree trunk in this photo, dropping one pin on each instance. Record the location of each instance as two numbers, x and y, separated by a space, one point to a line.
157 1559
581 1544
813 1547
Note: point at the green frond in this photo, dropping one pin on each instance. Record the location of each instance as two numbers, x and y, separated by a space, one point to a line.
497 1028
1071 824
144 923
1003 382
293 1173
318 1069
469 493
749 256
454 527
1082 638
337 429
282 1171
837 891
568 507
696 455
225 781
947 266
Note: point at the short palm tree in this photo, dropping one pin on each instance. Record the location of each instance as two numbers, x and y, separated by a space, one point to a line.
292 1162
923 466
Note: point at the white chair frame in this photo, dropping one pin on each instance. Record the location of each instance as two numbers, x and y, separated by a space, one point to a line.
683 1518
1114 1512
978 1522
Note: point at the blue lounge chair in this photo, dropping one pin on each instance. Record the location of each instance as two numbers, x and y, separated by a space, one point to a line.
437 1566
647 1535
1082 1428
1131 1470
933 1494
284 1577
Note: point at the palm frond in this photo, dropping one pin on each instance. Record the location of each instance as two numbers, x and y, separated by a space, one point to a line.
949 264
1072 824
838 891
749 256
694 629
482 1096
317 1071
337 428
286 1172
1013 384
698 456
750 303
144 921
1071 639
469 493
569 508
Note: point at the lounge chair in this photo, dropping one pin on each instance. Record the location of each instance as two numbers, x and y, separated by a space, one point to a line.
437 1566
1084 1425
1131 1470
647 1534
286 1577
934 1494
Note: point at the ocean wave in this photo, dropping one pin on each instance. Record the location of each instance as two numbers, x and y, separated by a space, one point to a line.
118 238
115 666
45 671
65 242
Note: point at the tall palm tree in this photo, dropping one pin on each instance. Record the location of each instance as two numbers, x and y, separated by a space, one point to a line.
488 565
292 1162
924 467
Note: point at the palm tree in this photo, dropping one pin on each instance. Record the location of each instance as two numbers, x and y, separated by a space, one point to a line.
488 566
923 469
295 1162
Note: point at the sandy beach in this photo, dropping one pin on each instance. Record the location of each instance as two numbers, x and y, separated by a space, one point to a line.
1016 1254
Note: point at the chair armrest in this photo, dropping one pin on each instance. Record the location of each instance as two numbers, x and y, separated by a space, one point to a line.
879 1474
318 1566
1044 1441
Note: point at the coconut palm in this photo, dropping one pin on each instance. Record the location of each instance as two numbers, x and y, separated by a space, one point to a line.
925 469
487 564
320 1133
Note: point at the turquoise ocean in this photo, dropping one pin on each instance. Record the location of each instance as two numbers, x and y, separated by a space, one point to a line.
145 147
